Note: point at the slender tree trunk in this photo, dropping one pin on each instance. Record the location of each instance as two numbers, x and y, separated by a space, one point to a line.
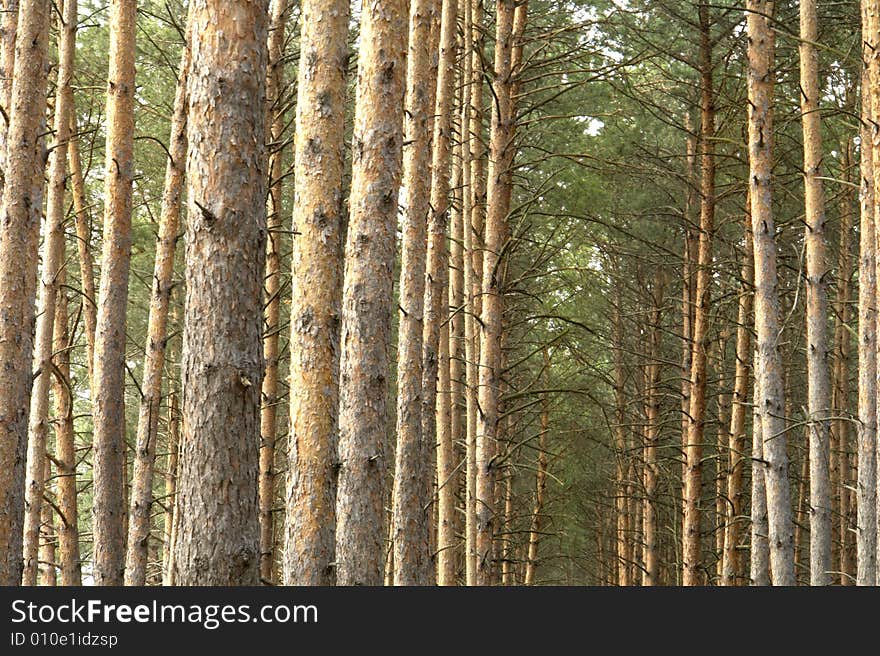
65 450
171 469
408 529
650 523
157 339
731 569
310 499
768 372
692 573
83 242
8 29
624 555
217 540
108 385
48 574
53 259
367 295
18 272
818 370
540 481
866 491
272 311
687 288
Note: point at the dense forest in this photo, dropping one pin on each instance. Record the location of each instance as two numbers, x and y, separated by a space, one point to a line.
439 292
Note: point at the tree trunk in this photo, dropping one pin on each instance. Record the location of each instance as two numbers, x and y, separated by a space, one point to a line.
408 525
768 372
650 526
866 491
53 259
540 481
310 499
731 568
18 273
157 339
65 450
108 384
367 295
217 538
171 469
8 29
272 312
692 573
818 371
83 242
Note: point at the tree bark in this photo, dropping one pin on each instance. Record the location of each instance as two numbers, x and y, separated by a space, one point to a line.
108 384
217 539
310 529
768 371
818 370
540 481
18 272
409 527
367 295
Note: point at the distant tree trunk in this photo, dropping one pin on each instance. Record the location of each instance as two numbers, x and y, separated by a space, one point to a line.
866 491
83 242
624 554
217 540
108 385
21 213
65 449
540 480
731 568
692 573
367 295
650 526
818 371
53 259
157 339
171 469
408 528
272 311
768 372
315 315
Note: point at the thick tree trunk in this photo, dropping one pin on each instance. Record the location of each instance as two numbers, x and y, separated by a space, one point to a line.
217 540
108 384
768 372
731 568
866 492
760 544
8 29
408 526
367 295
818 370
310 499
21 213
692 573
157 339
53 259
272 311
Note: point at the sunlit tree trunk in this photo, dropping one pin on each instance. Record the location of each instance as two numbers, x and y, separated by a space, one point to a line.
53 259
367 293
21 213
409 529
108 385
171 468
217 539
768 372
310 498
818 371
